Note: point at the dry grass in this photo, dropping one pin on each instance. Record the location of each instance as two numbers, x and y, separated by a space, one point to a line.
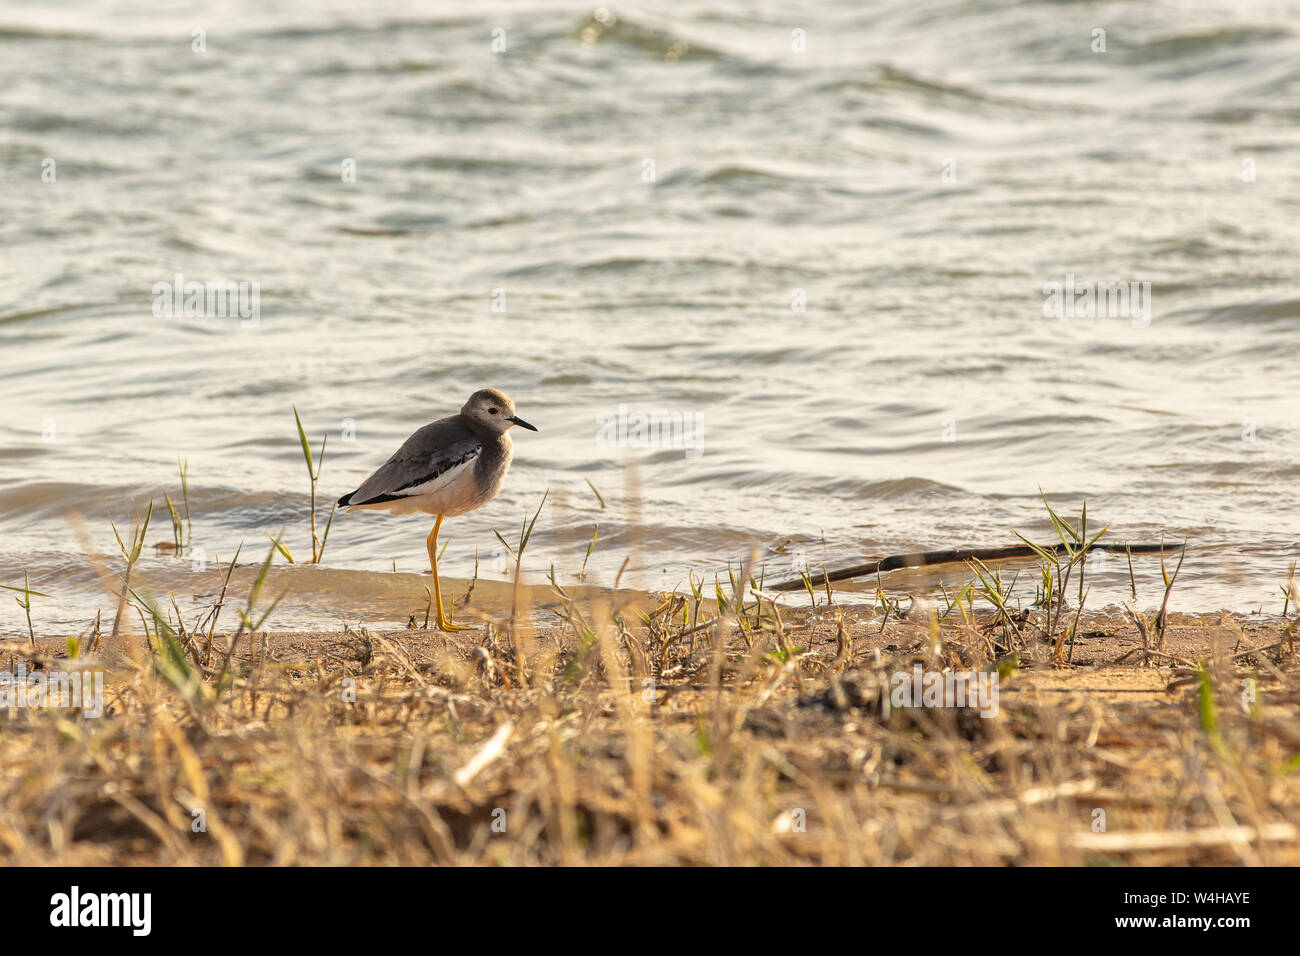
759 744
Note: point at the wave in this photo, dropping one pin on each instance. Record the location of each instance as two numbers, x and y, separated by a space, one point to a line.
603 26
1268 312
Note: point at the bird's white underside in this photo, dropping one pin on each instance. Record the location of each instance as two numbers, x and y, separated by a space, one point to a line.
453 492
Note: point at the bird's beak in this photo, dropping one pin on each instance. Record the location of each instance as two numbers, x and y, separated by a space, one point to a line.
521 423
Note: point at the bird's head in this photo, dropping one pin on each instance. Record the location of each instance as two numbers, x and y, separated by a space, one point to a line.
491 411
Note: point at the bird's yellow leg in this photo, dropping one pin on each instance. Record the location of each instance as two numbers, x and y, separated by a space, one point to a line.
443 622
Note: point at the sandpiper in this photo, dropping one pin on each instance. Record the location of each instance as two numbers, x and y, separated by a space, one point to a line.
448 467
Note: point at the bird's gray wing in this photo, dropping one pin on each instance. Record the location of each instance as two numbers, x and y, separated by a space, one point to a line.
427 461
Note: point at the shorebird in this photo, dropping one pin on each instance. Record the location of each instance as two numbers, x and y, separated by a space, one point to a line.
448 467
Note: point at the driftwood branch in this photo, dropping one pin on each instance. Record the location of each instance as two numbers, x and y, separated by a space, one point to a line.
922 559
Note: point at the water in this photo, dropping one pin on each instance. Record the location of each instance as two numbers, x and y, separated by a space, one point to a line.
921 171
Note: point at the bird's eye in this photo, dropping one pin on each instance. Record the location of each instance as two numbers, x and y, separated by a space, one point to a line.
492 411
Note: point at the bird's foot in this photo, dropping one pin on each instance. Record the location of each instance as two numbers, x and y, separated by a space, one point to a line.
444 623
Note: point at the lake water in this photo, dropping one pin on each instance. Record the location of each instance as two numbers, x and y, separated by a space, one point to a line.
817 243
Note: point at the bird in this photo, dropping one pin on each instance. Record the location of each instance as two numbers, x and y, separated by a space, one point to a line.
448 467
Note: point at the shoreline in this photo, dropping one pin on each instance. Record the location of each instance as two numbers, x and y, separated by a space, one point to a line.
319 598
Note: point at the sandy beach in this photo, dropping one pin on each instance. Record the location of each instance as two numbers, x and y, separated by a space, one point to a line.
627 734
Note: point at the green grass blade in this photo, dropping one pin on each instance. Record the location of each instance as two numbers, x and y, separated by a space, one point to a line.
306 448
10 587
528 532
282 548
